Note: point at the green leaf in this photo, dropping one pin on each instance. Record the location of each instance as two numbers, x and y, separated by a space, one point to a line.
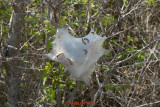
134 47
47 28
104 44
113 41
92 5
62 21
46 22
151 2
83 1
82 14
44 80
26 44
120 56
3 71
120 87
126 2
128 49
49 44
85 26
81 84
52 29
62 85
107 54
52 92
128 39
37 1
140 56
105 68
111 88
45 91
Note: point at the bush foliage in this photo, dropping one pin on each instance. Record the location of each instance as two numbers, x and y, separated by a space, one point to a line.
126 76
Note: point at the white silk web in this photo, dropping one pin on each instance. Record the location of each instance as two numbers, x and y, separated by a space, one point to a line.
77 55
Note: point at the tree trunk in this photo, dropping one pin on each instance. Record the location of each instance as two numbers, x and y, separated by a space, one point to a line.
13 73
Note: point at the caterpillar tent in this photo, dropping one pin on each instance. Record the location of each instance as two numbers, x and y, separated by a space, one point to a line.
77 55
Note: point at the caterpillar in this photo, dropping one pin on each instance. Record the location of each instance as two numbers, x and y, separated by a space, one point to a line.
86 40
60 54
70 61
92 32
85 51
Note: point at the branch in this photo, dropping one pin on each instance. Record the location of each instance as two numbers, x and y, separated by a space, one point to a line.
6 59
148 104
136 53
73 92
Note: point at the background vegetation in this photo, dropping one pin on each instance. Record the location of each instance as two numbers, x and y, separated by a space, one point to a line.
126 76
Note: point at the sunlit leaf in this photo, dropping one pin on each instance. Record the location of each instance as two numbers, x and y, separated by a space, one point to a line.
46 22
26 44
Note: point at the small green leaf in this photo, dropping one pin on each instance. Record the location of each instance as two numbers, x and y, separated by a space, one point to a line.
104 44
52 29
120 87
52 92
3 71
83 1
47 28
44 80
128 49
62 21
92 5
105 68
107 54
120 56
82 14
45 91
81 84
49 44
46 22
26 44
85 26
134 47
62 85
126 2
128 39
